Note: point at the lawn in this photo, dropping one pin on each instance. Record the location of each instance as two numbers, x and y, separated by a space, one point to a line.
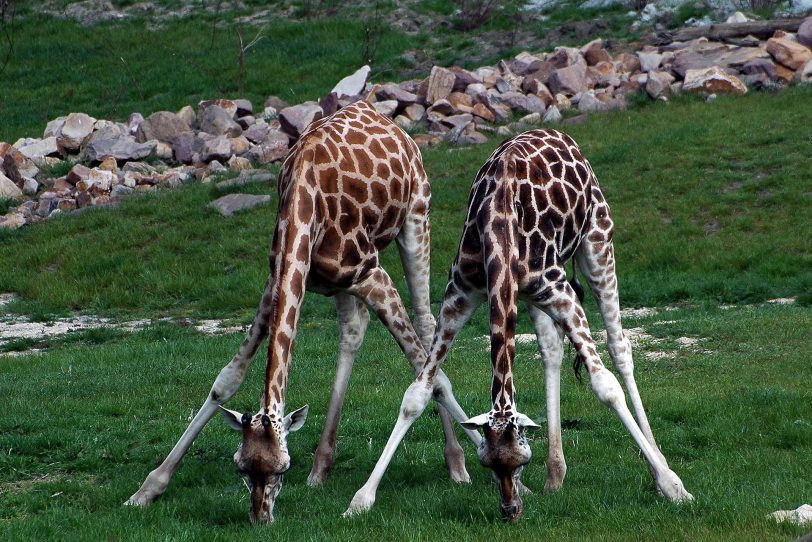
712 206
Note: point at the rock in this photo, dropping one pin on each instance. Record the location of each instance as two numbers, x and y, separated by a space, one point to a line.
76 128
186 146
232 203
551 116
78 173
649 61
163 126
522 62
589 103
594 52
217 121
804 75
386 108
712 80
524 103
40 148
804 35
121 191
218 149
471 138
415 112
329 104
404 122
791 54
698 56
265 153
440 84
627 63
120 148
16 166
352 85
187 115
391 91
257 131
247 176
297 118
12 221
9 190
134 122
30 187
570 80
244 107
215 167
226 105
276 102
163 151
800 516
482 111
658 84
52 128
577 120
238 163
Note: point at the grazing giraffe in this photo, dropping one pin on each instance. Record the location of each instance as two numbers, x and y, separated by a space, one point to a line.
534 205
350 185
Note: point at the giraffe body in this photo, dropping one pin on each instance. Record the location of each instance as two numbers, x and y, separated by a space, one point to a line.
534 205
352 184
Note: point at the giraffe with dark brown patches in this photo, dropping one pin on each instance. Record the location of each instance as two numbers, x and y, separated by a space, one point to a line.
534 205
335 214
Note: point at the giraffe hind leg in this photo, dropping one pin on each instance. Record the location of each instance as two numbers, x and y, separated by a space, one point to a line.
550 338
413 243
353 318
596 260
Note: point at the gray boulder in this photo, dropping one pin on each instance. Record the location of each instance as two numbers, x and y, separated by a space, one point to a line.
232 203
121 148
186 146
73 132
215 120
9 190
295 119
163 126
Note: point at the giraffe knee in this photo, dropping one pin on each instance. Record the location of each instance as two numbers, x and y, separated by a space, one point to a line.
606 387
415 400
226 384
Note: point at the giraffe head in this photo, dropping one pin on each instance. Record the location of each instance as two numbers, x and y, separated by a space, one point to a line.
263 457
505 451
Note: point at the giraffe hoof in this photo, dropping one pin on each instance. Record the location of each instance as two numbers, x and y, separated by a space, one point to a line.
362 502
138 499
316 479
670 486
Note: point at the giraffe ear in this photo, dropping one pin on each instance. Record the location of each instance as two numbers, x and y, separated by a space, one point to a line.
296 419
232 418
525 422
476 422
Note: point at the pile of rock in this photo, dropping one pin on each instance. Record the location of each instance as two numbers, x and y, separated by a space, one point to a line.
450 104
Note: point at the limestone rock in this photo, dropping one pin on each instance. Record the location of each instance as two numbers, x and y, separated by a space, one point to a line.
352 85
440 84
218 149
804 74
76 128
800 516
590 103
9 190
524 103
391 91
187 115
386 108
186 146
265 153
791 54
295 119
804 34
244 107
712 80
658 84
594 52
551 116
238 163
30 187
570 80
120 148
232 203
40 148
649 61
257 131
52 128
226 105
217 121
415 112
164 126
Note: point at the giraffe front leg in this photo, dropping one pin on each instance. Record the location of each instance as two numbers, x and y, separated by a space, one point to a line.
564 308
550 340
353 318
225 386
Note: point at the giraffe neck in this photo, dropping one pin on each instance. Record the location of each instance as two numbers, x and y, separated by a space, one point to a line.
293 241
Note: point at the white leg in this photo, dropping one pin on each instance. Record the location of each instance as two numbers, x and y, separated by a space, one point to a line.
225 386
550 339
413 244
353 318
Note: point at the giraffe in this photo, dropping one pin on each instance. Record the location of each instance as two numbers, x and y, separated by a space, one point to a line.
534 205
351 184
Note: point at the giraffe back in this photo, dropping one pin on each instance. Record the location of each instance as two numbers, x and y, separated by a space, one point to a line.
363 176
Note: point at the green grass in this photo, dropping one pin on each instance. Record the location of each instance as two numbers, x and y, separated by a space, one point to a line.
707 200
92 421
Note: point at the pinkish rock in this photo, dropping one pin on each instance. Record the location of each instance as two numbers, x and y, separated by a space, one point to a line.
440 84
658 84
295 119
791 54
570 80
713 81
164 126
